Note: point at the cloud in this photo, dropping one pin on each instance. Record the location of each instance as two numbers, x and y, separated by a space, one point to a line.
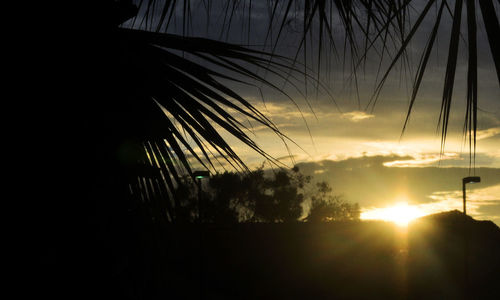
288 157
422 160
367 181
487 133
482 203
356 116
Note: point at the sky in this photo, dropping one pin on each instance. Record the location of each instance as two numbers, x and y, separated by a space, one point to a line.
363 157
359 149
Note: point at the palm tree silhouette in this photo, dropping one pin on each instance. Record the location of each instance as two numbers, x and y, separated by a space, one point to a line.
150 109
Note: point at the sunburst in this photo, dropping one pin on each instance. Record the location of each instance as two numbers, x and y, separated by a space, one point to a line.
401 214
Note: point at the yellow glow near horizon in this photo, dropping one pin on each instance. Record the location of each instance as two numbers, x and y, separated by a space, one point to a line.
401 214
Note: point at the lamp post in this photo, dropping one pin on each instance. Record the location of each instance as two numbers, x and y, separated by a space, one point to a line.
470 179
198 176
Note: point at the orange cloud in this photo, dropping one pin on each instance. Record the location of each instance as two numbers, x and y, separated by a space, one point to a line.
487 133
356 116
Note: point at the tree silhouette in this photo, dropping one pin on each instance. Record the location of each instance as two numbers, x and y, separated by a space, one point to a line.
187 203
287 195
227 198
326 207
232 197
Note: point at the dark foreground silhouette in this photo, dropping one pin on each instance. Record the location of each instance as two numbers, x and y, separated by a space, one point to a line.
342 260
337 260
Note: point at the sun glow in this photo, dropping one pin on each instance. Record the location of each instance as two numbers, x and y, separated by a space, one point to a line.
401 214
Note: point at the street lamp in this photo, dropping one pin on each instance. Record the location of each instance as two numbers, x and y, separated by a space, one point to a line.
198 176
471 179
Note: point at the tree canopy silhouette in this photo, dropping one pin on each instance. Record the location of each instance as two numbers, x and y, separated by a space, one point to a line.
282 197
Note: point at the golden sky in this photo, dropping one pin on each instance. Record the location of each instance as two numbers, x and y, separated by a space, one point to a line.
362 154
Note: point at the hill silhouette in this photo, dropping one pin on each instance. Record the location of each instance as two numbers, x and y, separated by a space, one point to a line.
341 260
439 244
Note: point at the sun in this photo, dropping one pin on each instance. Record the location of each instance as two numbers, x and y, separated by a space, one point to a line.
401 214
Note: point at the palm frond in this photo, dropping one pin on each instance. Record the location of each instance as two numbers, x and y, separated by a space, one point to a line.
186 77
490 21
423 64
187 100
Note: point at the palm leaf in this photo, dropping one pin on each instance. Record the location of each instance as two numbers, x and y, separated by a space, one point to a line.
490 21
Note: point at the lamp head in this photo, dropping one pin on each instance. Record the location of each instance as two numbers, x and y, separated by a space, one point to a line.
472 179
201 174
